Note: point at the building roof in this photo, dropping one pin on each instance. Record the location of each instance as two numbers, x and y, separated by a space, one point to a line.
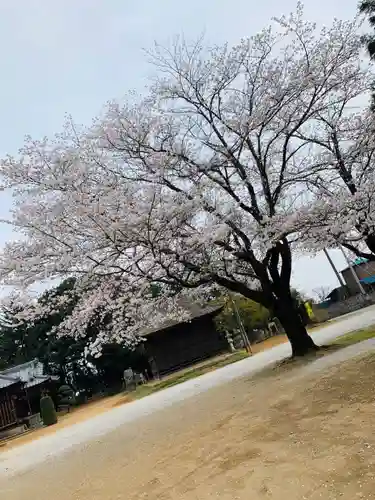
29 374
358 263
368 279
195 311
7 382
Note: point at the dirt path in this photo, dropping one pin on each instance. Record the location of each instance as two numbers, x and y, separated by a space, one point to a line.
96 408
294 436
96 419
76 416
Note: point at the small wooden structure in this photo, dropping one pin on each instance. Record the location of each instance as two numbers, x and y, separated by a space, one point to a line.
20 390
181 344
8 413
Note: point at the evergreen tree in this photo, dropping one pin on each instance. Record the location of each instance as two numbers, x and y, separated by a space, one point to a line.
367 7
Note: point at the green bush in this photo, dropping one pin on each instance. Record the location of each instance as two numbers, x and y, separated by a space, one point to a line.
66 396
47 410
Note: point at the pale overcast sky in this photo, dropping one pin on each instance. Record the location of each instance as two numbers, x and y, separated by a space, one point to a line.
71 56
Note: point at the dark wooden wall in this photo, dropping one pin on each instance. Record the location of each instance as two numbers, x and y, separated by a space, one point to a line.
8 415
185 344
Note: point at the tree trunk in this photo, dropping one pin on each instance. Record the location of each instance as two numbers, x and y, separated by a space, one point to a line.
295 330
370 242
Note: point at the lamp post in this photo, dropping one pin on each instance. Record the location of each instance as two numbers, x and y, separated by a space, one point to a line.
341 281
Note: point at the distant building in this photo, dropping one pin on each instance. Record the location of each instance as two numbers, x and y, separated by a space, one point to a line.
365 271
177 345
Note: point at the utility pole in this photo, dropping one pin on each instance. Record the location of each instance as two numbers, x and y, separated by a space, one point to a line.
341 281
244 336
354 274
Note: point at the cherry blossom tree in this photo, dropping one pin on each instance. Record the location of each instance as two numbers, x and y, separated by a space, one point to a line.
341 208
193 187
345 138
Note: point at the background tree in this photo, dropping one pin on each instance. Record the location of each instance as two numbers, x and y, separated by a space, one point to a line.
25 336
37 330
322 292
367 7
17 344
253 315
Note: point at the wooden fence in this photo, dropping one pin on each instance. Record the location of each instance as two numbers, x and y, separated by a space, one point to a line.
8 415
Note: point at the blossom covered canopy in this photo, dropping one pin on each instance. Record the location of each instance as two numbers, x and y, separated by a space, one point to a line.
196 185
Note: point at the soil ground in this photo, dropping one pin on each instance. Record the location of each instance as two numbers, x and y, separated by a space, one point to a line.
296 435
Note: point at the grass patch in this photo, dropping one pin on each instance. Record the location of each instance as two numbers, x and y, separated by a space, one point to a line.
355 337
290 363
179 378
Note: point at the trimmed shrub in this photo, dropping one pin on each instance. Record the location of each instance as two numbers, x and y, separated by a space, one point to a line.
47 410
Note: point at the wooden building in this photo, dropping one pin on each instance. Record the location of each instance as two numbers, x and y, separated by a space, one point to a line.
8 412
20 390
178 345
